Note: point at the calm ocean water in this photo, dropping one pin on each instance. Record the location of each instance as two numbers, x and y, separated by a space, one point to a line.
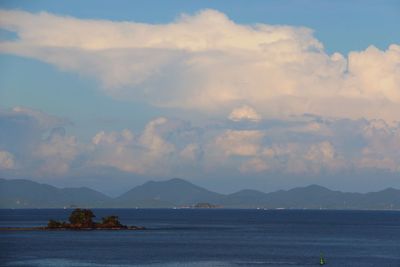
216 237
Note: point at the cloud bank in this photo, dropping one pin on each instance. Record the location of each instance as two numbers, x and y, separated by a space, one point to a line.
306 145
207 62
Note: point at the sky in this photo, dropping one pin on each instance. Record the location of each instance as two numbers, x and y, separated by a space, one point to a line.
229 95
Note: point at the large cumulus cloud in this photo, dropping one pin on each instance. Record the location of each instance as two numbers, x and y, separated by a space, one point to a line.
210 63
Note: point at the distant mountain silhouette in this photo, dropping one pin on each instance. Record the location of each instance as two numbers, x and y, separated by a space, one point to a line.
175 191
178 193
246 198
28 194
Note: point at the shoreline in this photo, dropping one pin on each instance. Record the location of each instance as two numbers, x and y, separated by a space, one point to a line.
129 228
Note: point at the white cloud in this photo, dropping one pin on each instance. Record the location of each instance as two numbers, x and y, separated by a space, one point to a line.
244 113
383 146
37 141
296 158
57 154
44 120
147 153
239 143
7 160
190 152
375 73
323 155
323 151
287 157
254 165
116 150
152 139
210 63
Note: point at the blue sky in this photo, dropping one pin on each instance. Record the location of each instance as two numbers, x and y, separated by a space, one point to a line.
234 94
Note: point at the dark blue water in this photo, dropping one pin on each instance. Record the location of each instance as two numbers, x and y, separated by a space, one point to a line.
187 237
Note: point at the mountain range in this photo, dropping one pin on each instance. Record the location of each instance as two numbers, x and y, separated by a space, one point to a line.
180 193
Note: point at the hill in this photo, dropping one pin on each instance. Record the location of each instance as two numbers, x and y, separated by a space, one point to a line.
179 193
176 191
28 194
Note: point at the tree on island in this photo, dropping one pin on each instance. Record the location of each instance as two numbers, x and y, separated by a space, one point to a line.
52 224
82 218
110 221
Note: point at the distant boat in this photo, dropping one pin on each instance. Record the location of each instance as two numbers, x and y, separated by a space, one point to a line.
322 260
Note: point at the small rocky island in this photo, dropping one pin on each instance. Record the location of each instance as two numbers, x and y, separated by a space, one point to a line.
205 205
82 219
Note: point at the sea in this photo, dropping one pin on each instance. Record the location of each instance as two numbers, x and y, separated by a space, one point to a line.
206 237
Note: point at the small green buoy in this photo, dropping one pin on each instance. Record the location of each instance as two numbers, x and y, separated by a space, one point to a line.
322 260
